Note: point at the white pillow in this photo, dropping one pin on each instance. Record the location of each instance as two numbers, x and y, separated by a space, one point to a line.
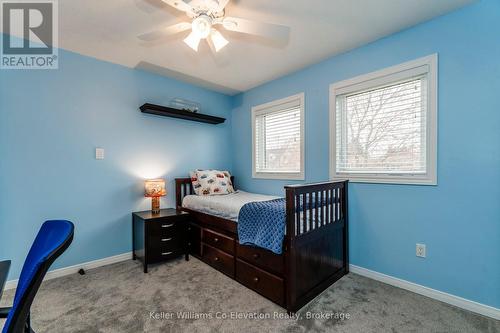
213 182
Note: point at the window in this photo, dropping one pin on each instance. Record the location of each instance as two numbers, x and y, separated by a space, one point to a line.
278 139
383 125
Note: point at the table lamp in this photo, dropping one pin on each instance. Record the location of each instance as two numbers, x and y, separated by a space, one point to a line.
154 189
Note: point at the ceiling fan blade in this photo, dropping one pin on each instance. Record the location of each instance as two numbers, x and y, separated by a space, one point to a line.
164 32
180 5
222 4
268 30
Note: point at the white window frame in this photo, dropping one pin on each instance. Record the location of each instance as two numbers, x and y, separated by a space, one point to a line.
377 79
269 108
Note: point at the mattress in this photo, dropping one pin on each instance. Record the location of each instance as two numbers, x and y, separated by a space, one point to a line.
226 206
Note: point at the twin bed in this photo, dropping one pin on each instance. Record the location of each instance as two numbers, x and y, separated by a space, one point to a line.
314 252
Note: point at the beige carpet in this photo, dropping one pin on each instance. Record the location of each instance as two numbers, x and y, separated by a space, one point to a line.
192 297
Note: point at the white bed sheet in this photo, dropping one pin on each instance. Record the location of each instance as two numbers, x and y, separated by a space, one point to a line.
226 206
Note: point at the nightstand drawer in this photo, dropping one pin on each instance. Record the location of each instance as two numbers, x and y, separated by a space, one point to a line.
165 228
220 241
157 256
166 243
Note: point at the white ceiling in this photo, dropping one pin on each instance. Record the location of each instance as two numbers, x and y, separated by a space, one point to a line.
107 30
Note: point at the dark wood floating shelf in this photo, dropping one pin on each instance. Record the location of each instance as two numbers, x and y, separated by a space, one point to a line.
181 114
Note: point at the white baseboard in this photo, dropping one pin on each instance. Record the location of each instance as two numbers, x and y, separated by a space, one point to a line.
12 284
459 302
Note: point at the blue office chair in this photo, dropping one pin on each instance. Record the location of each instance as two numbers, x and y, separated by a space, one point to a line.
52 240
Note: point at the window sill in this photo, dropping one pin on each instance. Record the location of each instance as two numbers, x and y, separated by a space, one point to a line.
387 180
278 176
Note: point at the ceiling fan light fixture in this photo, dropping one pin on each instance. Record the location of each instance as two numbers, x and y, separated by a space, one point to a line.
202 25
192 41
218 40
204 15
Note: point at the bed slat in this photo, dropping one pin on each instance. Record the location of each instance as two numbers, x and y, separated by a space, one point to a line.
304 214
297 213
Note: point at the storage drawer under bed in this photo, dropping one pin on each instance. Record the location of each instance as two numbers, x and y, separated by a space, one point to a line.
266 284
218 240
261 258
219 259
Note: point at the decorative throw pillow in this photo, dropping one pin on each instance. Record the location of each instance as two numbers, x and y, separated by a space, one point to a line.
213 182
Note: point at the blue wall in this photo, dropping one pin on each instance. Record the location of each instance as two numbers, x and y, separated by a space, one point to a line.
50 123
458 220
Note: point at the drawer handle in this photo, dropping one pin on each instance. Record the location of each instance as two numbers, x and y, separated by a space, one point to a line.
166 239
216 240
255 279
256 256
166 253
167 225
216 259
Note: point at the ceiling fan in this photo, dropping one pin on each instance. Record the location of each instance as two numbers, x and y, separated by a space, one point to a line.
206 15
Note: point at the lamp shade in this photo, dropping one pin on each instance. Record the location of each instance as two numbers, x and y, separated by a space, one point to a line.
154 188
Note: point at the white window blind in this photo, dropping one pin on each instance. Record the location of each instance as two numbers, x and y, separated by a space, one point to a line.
385 127
383 130
278 138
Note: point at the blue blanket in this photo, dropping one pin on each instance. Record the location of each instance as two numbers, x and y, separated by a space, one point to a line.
263 224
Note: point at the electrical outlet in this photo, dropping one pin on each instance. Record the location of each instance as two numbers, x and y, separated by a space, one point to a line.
421 251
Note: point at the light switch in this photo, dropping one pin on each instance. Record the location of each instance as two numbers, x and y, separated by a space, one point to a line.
99 153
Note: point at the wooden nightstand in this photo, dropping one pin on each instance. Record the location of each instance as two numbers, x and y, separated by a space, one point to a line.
159 237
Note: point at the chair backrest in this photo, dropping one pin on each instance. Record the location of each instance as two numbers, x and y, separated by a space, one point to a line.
52 240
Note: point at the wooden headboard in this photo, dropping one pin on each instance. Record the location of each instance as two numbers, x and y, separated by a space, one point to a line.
183 187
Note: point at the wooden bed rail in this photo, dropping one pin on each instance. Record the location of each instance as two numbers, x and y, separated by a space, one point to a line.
312 206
